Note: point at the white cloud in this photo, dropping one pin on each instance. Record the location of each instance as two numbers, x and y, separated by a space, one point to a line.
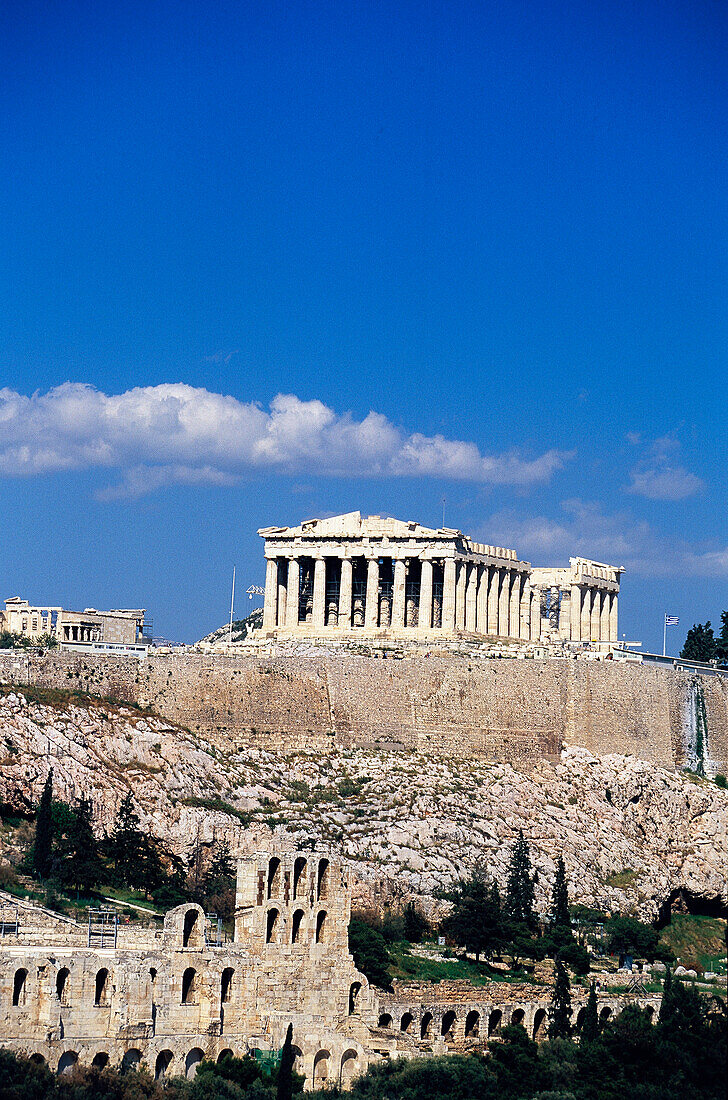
174 433
617 538
659 476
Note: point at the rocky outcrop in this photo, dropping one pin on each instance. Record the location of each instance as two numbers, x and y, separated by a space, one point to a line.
632 834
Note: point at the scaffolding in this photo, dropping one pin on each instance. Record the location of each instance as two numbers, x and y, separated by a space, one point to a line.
215 934
103 927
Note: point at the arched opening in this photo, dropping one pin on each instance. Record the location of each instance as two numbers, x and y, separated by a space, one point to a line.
131 1060
62 985
426 1026
192 1061
296 923
539 1024
518 1016
101 1060
226 1053
297 1059
226 984
406 1023
321 926
321 1069
38 1059
189 986
19 987
650 1012
322 881
299 878
67 1061
494 1022
349 1066
101 990
274 878
272 921
580 1017
604 1015
385 1020
472 1025
448 1024
192 916
354 991
162 1064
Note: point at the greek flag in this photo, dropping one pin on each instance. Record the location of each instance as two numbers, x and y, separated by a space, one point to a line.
671 620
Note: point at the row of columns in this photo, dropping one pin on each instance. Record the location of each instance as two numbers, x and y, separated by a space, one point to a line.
476 598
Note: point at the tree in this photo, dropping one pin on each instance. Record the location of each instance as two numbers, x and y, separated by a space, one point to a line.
666 1002
128 846
43 845
476 919
700 643
560 917
721 643
284 1083
370 953
629 936
590 1027
416 926
519 891
81 865
560 1009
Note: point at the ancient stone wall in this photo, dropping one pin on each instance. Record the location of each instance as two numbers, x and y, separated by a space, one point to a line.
514 710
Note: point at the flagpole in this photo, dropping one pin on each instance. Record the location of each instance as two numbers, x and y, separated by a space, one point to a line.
664 633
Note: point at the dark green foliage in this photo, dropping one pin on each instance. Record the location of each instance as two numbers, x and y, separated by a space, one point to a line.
560 1009
519 944
590 1027
43 846
700 644
630 936
575 956
416 927
514 1061
559 915
370 953
721 642
476 921
518 904
284 1081
721 781
139 861
79 861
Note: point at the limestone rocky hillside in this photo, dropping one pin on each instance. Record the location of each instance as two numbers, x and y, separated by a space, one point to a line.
631 833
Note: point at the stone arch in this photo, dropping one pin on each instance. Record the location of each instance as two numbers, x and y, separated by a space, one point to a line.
406 1023
272 923
426 1026
472 1024
274 877
518 1016
296 925
67 1061
539 1024
189 986
192 930
20 981
385 1020
226 1053
131 1060
321 1069
226 984
101 987
192 1061
62 983
494 1022
297 1059
321 926
354 991
349 1067
162 1064
604 1015
299 878
650 1010
37 1059
580 1017
100 1060
448 1022
322 880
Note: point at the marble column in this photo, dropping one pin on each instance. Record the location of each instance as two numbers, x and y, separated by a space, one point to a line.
604 623
461 578
448 596
398 594
371 611
525 605
345 608
481 614
503 599
586 608
514 625
575 613
492 627
293 591
271 594
319 593
471 596
535 630
424 612
613 635
596 614
282 591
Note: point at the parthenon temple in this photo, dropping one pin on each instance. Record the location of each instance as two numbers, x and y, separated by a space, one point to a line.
369 576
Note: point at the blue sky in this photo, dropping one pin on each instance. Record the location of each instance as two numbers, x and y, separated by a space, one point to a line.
263 262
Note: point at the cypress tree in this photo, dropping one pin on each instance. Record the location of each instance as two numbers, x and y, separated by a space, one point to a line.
43 845
284 1084
81 866
590 1027
560 1024
519 891
560 898
127 845
666 1002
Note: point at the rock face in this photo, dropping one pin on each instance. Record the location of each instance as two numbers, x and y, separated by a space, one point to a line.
631 833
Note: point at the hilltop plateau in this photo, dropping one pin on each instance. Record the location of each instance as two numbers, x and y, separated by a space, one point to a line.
634 836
